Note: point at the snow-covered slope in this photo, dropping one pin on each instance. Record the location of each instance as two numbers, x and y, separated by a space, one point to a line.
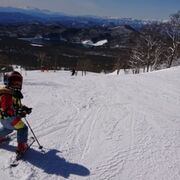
101 127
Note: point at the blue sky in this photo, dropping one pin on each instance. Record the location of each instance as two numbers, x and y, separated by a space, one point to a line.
139 9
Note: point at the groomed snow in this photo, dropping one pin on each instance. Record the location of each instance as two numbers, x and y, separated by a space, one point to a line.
100 127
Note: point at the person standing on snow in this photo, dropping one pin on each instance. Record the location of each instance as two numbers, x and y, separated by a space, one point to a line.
11 110
73 72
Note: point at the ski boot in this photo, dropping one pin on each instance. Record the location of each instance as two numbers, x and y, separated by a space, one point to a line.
21 148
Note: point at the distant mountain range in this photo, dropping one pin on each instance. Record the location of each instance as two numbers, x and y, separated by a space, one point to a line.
10 16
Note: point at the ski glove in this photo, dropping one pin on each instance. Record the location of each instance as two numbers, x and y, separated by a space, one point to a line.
27 109
23 111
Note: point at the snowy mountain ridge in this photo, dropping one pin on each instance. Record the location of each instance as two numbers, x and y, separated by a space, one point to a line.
45 16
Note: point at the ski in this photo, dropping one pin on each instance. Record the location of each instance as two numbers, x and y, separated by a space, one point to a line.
19 156
8 138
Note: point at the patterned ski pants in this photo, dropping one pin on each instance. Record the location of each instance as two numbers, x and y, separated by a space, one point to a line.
13 123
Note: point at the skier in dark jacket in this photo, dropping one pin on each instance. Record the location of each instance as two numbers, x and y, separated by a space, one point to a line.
73 72
11 110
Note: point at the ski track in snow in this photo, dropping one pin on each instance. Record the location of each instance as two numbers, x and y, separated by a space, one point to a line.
101 127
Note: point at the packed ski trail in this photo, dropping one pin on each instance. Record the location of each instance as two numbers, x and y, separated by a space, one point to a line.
101 127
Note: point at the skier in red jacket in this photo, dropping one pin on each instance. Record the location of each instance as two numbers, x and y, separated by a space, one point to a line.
11 110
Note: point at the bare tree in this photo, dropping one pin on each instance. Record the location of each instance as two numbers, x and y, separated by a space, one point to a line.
118 65
173 32
83 65
158 52
41 58
148 49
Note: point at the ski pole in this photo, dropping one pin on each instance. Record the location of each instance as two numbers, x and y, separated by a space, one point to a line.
40 147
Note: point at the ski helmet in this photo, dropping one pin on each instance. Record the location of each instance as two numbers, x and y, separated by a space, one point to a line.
13 80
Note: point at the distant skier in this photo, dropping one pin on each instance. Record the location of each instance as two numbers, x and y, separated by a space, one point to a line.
5 78
73 72
11 110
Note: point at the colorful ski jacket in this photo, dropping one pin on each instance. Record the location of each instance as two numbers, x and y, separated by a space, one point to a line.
10 102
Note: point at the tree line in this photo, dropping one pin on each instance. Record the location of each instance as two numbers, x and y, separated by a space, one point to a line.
154 46
157 46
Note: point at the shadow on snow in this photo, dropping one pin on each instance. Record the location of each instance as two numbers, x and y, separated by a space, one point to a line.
51 163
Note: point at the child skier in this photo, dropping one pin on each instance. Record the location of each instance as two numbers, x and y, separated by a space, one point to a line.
11 110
